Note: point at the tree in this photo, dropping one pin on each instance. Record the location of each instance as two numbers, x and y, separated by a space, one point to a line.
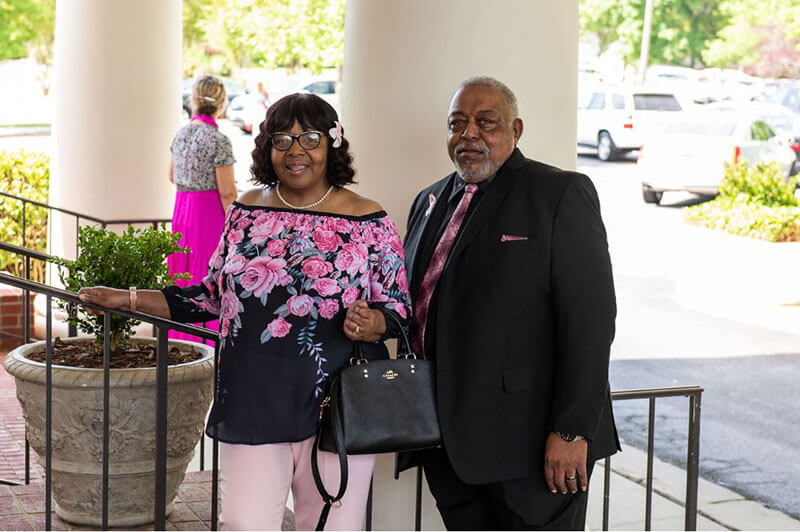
680 33
762 37
27 27
224 35
24 23
778 56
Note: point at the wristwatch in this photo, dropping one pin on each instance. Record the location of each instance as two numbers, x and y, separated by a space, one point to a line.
566 436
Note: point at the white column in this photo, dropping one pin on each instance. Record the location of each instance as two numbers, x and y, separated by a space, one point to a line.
403 60
117 75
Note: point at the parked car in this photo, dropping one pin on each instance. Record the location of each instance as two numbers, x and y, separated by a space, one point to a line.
247 111
325 89
787 95
690 154
232 88
616 120
781 119
697 85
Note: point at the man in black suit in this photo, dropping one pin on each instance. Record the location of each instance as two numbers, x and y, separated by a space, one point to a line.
514 301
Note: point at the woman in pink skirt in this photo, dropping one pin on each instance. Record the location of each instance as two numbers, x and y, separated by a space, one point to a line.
202 170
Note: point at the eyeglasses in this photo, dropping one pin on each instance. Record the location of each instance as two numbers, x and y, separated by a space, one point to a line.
308 140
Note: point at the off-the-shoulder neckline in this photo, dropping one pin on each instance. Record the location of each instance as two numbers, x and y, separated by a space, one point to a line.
360 218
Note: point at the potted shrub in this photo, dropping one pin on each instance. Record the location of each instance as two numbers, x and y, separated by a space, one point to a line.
135 258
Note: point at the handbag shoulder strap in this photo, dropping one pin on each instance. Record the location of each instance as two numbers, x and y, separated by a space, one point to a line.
338 441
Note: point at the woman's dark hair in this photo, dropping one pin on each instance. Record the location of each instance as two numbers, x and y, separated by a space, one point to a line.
312 112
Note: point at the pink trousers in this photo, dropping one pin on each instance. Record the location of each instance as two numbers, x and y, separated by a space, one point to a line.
255 481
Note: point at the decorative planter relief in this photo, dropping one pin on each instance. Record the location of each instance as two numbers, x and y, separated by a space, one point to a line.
77 437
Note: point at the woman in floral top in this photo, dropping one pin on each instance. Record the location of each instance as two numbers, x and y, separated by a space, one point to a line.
304 268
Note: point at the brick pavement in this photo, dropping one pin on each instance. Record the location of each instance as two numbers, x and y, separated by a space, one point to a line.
12 434
22 507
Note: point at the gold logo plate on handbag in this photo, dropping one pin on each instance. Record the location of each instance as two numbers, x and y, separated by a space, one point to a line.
389 375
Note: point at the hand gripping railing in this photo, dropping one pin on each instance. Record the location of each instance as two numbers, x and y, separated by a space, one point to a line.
163 326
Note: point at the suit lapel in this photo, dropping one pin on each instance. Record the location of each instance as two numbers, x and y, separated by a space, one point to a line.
415 234
491 201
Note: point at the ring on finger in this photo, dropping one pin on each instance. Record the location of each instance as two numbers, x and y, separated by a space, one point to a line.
572 477
357 330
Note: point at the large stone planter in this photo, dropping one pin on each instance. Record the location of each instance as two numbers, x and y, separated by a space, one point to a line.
77 437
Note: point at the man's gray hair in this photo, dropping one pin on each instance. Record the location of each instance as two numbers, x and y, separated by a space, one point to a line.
487 81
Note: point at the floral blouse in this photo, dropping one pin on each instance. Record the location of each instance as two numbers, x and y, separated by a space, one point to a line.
280 282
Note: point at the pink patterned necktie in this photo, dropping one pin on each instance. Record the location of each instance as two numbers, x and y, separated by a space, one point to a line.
435 268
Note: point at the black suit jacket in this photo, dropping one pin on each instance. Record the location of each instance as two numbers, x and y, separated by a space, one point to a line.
524 325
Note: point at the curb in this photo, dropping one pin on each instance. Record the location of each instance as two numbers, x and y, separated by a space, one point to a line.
716 503
39 131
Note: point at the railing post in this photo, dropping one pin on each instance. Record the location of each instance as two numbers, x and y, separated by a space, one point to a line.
651 423
27 458
24 223
77 235
26 332
606 490
106 414
692 462
48 431
418 505
160 494
215 448
26 303
368 519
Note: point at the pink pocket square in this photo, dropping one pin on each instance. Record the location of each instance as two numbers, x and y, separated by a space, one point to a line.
512 238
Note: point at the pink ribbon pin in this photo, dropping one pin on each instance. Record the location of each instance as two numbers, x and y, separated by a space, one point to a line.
431 203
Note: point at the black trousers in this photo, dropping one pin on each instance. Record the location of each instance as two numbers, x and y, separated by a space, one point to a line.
517 504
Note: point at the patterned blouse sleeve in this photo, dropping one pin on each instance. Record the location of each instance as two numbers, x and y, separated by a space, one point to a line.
224 155
388 283
200 302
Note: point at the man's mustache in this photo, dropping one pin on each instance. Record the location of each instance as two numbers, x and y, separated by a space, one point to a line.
462 146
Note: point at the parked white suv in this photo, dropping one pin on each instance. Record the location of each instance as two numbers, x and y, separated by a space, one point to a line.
616 120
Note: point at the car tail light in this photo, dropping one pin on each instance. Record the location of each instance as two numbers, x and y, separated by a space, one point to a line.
795 146
628 123
737 153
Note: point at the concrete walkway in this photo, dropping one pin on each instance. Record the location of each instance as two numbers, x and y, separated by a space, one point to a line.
22 507
718 508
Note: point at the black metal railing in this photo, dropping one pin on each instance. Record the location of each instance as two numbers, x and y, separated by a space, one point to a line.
694 394
163 326
154 222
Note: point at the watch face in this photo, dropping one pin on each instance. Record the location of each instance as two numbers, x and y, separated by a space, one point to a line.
566 436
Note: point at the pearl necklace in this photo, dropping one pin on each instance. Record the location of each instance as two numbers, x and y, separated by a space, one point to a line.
303 207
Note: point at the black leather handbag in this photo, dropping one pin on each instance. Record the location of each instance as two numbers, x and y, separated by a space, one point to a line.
380 406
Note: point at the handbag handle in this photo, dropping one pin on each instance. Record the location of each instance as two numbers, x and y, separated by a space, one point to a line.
402 350
403 344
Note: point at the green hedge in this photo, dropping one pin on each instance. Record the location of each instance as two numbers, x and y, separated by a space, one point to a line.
755 201
25 174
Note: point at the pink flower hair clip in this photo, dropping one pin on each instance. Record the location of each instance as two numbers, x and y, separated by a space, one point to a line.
336 134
